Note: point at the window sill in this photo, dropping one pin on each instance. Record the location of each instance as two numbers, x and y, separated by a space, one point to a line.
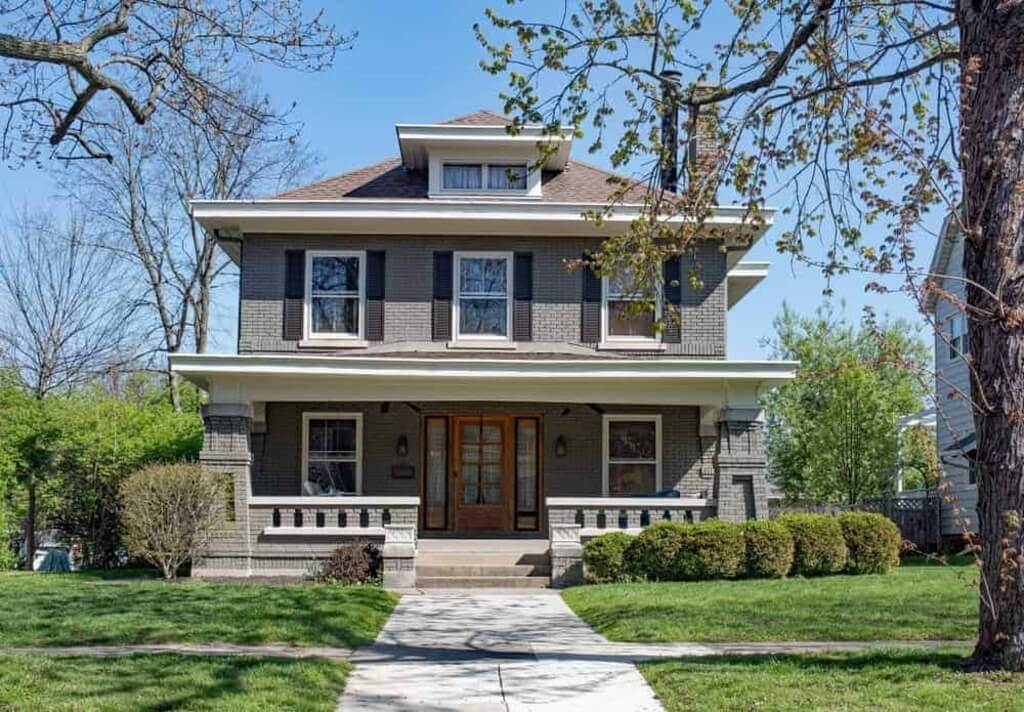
631 346
333 344
470 345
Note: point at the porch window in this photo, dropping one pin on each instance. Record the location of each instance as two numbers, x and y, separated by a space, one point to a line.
335 294
331 453
527 468
632 455
482 304
622 320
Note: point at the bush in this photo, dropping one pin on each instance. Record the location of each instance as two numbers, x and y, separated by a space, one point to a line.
818 546
769 549
652 553
170 513
872 540
351 564
710 550
603 557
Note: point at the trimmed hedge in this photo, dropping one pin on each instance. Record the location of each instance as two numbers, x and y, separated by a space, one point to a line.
603 557
818 546
710 550
652 553
873 542
769 549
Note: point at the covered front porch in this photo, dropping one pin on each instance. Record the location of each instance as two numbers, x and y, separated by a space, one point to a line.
324 452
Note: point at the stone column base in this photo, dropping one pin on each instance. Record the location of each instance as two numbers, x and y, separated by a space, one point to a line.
566 555
399 556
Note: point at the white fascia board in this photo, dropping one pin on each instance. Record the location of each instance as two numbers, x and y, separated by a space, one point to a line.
414 140
744 277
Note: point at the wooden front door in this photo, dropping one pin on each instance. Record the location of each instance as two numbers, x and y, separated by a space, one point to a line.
482 473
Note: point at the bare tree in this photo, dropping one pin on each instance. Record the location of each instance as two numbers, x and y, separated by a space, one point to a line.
141 199
180 56
63 321
869 116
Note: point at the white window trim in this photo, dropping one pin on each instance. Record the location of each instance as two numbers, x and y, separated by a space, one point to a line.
358 417
482 339
310 336
606 420
630 343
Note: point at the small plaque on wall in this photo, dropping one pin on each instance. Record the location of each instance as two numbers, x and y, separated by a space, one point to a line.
403 472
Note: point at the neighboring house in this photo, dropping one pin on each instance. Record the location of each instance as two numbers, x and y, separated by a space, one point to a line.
416 362
954 420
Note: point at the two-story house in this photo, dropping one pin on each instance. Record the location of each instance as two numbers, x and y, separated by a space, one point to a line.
954 428
416 363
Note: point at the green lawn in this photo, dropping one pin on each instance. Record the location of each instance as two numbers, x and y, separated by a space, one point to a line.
877 680
161 682
919 601
82 609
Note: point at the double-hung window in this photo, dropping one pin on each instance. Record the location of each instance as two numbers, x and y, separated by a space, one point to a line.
331 452
632 455
335 294
622 318
959 343
482 305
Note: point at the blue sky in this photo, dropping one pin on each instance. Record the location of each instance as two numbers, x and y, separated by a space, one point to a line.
419 62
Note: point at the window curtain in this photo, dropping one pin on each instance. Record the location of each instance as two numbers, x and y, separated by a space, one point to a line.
458 177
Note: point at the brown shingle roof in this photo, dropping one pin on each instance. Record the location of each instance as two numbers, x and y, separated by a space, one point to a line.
579 183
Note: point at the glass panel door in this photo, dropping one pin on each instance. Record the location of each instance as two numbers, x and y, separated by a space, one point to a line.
481 474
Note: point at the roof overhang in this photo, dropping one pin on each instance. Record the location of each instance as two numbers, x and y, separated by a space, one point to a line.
232 219
662 381
416 141
939 267
744 277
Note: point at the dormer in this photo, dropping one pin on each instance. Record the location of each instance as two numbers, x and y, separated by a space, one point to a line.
476 157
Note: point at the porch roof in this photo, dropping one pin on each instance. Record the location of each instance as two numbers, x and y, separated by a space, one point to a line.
663 381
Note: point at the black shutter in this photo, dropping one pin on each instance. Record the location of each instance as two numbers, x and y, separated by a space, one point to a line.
375 268
294 294
673 286
590 318
522 306
442 307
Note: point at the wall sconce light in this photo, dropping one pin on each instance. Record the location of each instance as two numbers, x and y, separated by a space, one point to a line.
560 446
402 448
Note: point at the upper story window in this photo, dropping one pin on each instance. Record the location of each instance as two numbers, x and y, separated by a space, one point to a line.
482 305
959 343
621 319
501 177
335 294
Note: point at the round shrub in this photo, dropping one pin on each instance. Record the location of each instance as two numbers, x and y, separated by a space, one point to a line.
710 550
872 540
352 564
603 557
651 554
769 549
818 546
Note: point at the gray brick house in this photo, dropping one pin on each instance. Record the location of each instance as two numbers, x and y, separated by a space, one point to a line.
417 366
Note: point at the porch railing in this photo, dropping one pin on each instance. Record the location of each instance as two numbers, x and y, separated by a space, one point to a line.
601 515
332 516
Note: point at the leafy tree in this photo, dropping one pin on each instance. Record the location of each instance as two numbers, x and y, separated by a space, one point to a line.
870 115
919 458
831 434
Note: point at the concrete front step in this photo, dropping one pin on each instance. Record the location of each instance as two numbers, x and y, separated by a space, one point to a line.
463 570
481 581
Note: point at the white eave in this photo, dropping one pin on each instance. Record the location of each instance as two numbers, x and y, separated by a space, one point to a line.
416 141
744 277
266 377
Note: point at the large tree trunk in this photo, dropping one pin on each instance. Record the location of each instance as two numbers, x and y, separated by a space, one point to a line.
992 62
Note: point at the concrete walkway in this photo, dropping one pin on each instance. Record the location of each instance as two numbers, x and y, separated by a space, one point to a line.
485 650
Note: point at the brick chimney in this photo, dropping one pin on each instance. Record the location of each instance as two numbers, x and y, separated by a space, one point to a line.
670 130
704 148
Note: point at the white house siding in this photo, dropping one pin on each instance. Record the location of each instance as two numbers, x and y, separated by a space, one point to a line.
953 412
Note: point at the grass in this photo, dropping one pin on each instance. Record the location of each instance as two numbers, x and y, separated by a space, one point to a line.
161 682
86 608
919 601
876 680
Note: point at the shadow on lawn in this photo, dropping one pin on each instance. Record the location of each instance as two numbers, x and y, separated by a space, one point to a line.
899 664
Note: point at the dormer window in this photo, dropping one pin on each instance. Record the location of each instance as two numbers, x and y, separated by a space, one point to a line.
470 177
